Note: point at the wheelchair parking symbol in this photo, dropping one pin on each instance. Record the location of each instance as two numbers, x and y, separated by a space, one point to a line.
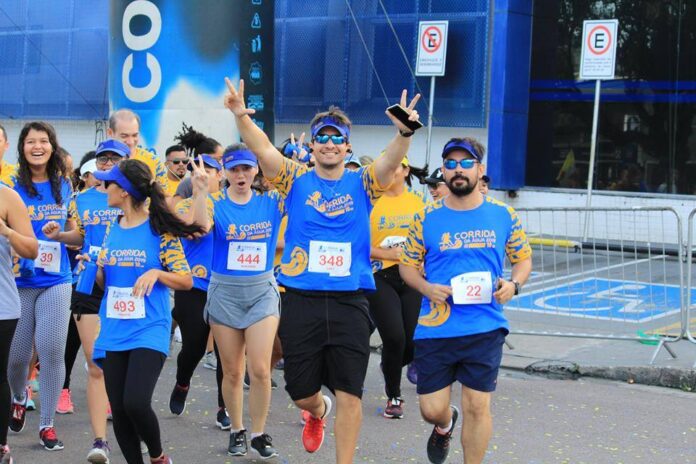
603 299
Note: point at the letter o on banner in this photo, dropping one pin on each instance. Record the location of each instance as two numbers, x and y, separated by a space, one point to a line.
145 41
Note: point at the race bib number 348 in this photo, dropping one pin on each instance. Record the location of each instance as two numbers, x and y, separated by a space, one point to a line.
333 258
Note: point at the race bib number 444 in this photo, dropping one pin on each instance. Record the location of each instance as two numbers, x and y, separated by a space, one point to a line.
472 288
333 258
121 304
246 256
49 257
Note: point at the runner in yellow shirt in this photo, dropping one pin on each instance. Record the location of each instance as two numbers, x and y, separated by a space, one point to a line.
394 306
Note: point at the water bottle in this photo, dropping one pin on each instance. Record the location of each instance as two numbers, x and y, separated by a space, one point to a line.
86 279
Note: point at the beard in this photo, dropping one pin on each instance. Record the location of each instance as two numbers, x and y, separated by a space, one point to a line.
461 190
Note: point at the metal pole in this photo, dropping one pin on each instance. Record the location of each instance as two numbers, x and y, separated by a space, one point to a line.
431 104
593 149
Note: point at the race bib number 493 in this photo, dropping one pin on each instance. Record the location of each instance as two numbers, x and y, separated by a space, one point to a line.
121 304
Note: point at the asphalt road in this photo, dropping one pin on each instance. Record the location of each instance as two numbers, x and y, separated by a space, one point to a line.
536 420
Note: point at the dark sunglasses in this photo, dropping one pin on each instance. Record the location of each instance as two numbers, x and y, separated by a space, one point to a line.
107 183
179 161
465 163
336 139
103 159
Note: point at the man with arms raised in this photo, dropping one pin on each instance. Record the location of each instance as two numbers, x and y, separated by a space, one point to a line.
325 326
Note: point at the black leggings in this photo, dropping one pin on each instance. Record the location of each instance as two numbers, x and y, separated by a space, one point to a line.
130 378
188 313
394 308
7 330
72 346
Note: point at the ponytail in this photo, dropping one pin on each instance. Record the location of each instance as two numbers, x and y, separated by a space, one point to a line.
162 219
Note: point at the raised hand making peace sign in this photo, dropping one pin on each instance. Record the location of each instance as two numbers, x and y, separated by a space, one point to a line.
410 109
234 99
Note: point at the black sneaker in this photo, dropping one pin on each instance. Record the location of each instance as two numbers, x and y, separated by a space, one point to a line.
18 416
223 419
274 385
263 446
177 401
247 382
438 444
238 443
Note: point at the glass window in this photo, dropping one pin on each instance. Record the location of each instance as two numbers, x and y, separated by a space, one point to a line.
647 117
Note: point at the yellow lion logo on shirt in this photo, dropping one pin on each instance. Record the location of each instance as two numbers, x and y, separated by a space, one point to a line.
438 315
297 265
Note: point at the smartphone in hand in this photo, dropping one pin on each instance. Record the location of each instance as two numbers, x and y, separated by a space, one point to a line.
401 114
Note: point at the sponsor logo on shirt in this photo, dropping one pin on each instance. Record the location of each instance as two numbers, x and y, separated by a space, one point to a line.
330 208
127 258
99 216
480 238
393 222
255 231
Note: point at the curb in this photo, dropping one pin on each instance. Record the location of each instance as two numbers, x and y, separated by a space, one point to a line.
669 377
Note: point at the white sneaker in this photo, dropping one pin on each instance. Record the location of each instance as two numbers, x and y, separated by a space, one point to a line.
210 361
177 335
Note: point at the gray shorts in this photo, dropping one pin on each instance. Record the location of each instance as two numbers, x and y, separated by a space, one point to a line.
240 302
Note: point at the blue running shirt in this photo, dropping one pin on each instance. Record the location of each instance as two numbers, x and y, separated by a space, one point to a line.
199 251
92 215
450 243
245 236
327 242
126 255
52 266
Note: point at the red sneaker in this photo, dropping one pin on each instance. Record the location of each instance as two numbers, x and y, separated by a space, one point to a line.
65 404
313 431
49 439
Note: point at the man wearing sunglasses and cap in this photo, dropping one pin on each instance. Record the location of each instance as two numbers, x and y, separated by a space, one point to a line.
461 242
325 326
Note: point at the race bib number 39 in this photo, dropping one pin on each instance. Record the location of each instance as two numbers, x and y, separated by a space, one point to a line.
472 288
246 256
49 257
121 304
333 258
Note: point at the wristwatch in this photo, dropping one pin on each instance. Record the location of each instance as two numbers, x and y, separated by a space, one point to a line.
518 287
406 133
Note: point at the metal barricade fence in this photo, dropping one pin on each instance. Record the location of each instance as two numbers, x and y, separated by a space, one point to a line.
689 296
623 282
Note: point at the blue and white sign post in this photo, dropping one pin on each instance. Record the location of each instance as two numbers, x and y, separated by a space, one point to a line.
597 61
431 59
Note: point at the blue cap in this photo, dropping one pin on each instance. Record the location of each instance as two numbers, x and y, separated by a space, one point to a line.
236 157
208 161
113 146
330 121
352 159
453 145
115 175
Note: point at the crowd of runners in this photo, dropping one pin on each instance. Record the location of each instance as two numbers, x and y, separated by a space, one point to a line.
258 255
